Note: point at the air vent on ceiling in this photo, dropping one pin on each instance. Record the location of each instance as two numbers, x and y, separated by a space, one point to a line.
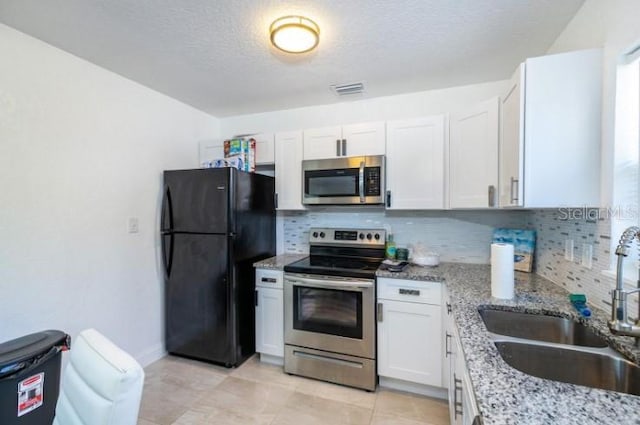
348 89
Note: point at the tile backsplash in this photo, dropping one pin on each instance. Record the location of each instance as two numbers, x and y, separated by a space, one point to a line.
460 236
465 236
553 227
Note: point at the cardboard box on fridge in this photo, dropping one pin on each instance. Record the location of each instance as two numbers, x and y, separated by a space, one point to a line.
244 149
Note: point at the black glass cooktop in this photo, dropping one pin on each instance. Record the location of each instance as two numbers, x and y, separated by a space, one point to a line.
336 266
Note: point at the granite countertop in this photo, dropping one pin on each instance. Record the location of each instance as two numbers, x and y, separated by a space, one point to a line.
504 394
279 261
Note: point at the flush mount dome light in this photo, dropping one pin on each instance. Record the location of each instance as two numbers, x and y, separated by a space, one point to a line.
295 34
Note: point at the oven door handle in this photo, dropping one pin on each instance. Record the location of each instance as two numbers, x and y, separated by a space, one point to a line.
338 284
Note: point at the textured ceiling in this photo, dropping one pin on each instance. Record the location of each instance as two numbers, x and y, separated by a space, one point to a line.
216 55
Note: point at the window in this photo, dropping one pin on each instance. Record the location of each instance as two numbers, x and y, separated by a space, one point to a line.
626 185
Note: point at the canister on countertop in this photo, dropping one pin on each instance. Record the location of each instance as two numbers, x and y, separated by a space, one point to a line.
390 248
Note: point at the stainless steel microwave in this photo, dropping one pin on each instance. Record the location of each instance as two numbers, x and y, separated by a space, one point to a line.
355 180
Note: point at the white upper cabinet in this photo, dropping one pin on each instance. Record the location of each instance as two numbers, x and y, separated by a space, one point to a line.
551 132
349 140
473 156
415 163
265 148
323 142
289 149
511 158
364 139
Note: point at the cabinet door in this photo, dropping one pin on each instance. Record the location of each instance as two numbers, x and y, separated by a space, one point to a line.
270 321
455 418
409 342
265 149
473 156
512 142
456 405
447 332
322 143
364 139
289 170
470 407
415 163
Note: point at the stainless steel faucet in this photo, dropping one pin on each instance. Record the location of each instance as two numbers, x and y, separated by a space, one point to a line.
619 323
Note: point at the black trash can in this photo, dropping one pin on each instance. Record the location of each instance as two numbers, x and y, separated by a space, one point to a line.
30 377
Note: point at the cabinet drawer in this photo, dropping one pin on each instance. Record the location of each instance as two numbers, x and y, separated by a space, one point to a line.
269 278
410 290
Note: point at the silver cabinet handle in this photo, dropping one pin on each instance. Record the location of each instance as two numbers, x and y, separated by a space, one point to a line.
457 403
344 147
492 195
337 147
361 182
414 292
514 193
448 308
379 312
447 337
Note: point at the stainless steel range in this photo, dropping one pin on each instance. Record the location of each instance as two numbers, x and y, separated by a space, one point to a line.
329 306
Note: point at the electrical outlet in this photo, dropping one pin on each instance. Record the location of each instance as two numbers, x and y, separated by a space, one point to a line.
568 249
587 255
132 225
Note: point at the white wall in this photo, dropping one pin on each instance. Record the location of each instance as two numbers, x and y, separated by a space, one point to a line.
81 150
376 109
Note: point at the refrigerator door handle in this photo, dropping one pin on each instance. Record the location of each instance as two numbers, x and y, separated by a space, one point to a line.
167 211
167 253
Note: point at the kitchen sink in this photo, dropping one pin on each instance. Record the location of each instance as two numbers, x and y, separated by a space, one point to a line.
538 327
591 369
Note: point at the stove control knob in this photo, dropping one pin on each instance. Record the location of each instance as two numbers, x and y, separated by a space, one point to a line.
322 234
377 236
361 235
315 234
369 236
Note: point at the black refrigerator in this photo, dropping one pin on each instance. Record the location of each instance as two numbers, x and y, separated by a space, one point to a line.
215 224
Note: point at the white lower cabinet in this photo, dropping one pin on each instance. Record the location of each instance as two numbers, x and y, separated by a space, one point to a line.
269 315
463 409
409 334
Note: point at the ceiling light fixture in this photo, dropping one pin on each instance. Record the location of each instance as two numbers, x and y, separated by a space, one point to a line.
294 34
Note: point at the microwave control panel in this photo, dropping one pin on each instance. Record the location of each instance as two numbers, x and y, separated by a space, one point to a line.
372 181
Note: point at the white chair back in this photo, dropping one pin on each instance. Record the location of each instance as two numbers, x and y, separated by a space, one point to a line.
101 385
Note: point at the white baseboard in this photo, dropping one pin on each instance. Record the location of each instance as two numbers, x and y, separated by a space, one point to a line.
151 355
412 387
275 360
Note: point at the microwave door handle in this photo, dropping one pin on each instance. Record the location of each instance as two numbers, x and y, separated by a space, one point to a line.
361 182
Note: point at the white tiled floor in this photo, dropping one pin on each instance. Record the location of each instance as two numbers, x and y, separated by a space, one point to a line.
179 391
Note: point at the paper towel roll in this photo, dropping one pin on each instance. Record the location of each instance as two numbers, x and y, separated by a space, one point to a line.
502 271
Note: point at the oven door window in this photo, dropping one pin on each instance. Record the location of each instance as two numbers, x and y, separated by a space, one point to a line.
327 311
331 183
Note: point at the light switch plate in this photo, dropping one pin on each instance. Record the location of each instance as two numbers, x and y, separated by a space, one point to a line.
568 249
587 255
132 225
